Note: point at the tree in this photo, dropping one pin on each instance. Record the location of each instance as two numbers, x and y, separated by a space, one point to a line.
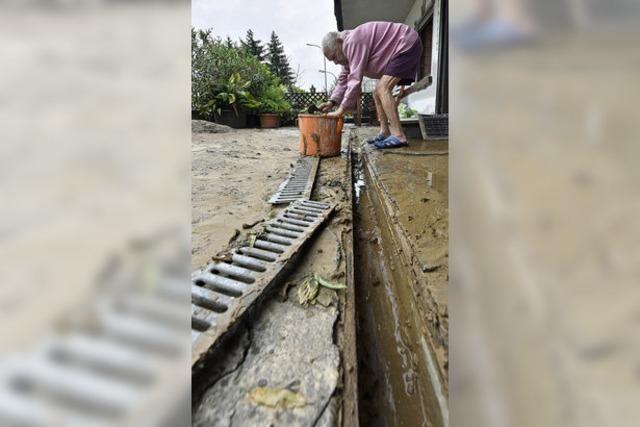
278 62
253 46
312 89
229 43
224 77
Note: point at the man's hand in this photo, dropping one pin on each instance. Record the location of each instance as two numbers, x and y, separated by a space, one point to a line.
325 107
338 113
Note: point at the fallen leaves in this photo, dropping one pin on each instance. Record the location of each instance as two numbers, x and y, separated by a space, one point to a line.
328 284
310 292
278 398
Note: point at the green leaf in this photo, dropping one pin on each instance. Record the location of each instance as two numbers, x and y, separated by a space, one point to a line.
328 284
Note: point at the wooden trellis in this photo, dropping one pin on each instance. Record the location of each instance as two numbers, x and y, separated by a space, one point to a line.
300 101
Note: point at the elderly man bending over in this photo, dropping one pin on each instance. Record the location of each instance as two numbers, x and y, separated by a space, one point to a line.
380 50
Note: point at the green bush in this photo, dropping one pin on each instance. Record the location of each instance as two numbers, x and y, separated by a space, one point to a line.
273 101
406 112
225 76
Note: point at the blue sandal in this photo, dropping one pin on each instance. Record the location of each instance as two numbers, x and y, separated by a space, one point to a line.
391 142
379 137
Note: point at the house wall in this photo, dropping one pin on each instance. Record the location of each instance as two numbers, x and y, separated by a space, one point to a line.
425 101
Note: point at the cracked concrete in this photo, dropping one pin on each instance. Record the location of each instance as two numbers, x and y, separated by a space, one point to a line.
286 345
282 330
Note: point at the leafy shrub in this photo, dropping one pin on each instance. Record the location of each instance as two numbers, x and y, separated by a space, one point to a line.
273 101
406 112
225 76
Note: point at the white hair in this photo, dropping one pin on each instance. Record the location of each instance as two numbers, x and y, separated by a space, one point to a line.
330 41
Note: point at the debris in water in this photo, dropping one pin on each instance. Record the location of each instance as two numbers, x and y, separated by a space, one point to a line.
279 398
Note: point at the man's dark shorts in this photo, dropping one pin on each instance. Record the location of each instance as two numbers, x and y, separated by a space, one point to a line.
405 64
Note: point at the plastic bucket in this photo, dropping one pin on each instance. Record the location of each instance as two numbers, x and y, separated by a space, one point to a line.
320 136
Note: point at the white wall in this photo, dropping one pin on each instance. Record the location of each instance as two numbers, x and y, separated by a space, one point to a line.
425 101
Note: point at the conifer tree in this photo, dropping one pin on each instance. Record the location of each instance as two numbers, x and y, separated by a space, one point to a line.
278 62
253 46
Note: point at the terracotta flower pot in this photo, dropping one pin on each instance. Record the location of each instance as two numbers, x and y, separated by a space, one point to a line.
269 121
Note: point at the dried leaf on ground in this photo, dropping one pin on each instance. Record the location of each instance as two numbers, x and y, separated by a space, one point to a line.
252 239
328 284
308 291
280 398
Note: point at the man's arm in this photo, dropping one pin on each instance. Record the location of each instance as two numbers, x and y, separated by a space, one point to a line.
338 91
341 86
358 55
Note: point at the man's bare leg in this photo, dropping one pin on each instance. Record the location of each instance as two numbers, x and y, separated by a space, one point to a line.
383 90
382 117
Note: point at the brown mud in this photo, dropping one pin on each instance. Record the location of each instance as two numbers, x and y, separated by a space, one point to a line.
402 366
286 343
400 283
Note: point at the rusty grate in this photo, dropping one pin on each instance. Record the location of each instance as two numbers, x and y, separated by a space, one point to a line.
299 183
223 291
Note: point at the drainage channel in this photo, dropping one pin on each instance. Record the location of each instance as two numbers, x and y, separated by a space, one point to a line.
394 372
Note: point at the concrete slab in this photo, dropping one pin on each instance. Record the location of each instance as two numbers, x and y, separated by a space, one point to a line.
290 347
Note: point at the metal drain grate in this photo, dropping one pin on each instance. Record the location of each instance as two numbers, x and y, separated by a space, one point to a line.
437 125
299 184
222 292
112 374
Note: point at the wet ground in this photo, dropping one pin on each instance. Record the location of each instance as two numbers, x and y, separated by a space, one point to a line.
233 176
401 271
401 275
286 345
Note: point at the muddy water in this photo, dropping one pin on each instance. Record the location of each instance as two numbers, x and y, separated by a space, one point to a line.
394 384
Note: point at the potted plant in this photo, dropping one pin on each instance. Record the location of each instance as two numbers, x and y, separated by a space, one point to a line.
231 102
271 105
226 81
